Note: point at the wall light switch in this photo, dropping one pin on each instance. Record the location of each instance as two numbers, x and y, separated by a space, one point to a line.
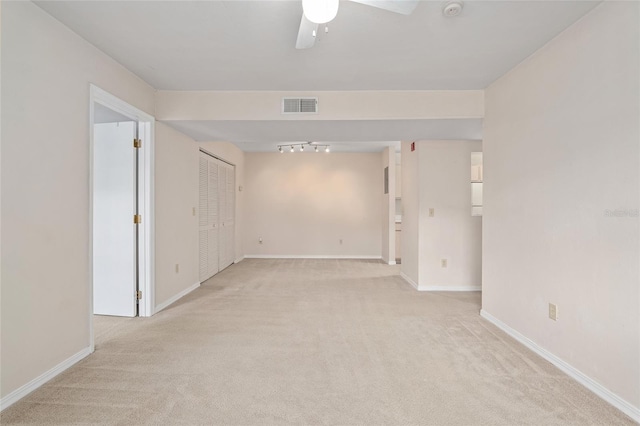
193 211
432 212
443 263
259 240
553 311
177 268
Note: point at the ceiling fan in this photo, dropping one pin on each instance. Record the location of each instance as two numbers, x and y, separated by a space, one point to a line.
316 12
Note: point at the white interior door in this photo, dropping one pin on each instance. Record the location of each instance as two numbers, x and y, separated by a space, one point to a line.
203 221
214 219
222 199
217 215
229 220
226 193
114 231
209 217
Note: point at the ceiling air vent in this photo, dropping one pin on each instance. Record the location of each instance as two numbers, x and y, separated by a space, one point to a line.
299 105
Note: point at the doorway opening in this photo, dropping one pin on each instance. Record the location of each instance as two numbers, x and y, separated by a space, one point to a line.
121 217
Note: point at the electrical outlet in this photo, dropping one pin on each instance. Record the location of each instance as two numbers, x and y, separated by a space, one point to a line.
553 311
443 263
432 212
177 268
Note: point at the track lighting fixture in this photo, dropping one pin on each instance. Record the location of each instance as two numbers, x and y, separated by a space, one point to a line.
316 147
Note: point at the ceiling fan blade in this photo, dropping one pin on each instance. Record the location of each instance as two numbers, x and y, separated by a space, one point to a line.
306 34
404 7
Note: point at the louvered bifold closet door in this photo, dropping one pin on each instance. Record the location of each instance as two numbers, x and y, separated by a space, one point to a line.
203 210
222 209
213 229
230 215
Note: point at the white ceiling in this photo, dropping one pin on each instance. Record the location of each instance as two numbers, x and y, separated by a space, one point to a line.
250 45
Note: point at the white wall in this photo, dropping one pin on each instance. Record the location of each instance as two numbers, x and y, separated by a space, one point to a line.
437 175
452 233
176 197
302 204
176 225
332 105
410 213
389 208
560 150
46 71
233 155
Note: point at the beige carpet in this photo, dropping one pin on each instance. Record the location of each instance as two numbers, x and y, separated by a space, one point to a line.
307 342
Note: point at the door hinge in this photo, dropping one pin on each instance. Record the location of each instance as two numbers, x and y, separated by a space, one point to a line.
138 295
137 143
137 219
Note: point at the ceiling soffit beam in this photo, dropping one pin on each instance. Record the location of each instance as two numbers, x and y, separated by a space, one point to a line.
332 105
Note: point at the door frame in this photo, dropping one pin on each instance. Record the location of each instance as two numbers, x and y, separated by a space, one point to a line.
146 255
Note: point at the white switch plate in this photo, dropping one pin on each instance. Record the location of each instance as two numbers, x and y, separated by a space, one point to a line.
443 262
432 212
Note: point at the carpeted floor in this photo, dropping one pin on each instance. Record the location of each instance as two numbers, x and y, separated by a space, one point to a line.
341 342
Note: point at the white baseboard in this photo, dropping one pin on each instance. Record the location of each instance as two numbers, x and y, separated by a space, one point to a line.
34 384
392 262
440 287
580 377
176 297
239 259
310 256
451 288
409 280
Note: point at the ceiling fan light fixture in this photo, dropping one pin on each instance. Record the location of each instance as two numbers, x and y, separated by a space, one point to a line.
320 11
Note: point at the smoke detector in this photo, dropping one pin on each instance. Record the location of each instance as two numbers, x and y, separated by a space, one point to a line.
452 8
